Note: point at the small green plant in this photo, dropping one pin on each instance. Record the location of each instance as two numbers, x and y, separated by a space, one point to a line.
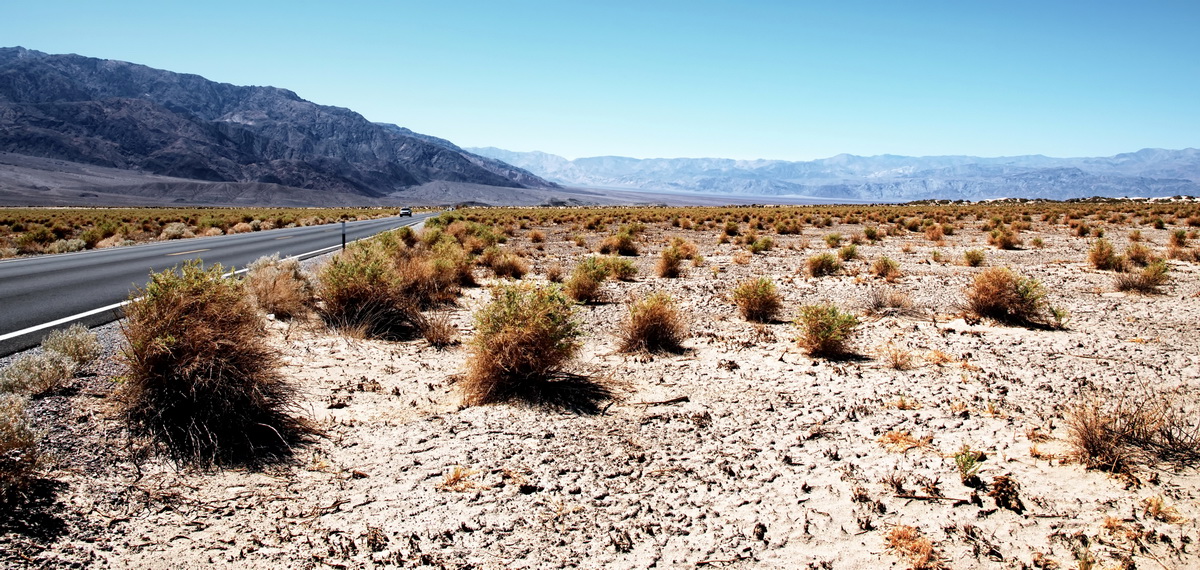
825 330
621 269
848 253
524 336
1059 317
757 299
654 324
823 264
974 257
761 244
969 463
833 240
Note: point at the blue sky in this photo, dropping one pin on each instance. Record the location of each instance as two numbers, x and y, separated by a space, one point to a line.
783 80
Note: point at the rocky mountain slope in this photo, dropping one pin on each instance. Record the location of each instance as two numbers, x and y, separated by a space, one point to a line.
1148 172
128 116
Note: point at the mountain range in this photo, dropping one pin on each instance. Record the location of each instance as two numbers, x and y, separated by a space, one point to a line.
885 178
189 132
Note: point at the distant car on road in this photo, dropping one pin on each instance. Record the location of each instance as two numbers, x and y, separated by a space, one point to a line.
406 212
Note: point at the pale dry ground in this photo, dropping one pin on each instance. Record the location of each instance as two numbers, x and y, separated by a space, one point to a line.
758 468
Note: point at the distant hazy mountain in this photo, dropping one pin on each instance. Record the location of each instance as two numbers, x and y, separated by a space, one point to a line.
1146 173
122 115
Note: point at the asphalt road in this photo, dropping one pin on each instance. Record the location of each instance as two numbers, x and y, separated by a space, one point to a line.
88 286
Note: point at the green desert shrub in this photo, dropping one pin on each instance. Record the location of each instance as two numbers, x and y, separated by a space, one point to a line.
848 253
201 378
524 337
757 299
761 244
886 268
654 324
825 330
621 269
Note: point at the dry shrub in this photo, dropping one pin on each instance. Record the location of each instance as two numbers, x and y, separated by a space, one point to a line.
669 262
621 243
37 374
584 283
825 330
524 336
439 332
885 300
1000 294
886 268
1003 239
19 453
897 358
75 342
909 543
554 273
1103 257
201 378
935 232
757 299
654 324
362 288
176 230
621 269
1147 281
1178 238
1139 255
537 236
279 287
1113 434
509 264
823 264
974 257
241 228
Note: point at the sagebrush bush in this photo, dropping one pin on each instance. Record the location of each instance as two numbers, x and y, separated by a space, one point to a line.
653 324
201 378
75 342
1148 280
524 336
757 299
279 287
19 448
37 373
823 264
999 293
825 330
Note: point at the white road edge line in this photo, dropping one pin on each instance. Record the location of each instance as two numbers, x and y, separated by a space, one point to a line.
85 314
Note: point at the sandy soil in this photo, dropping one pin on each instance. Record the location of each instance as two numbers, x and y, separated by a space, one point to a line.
742 452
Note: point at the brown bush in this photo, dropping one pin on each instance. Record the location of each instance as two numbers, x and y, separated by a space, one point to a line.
37 373
584 283
1113 434
824 330
361 288
757 299
909 543
439 332
669 263
653 324
19 450
279 287
1000 294
1103 257
1146 281
523 337
202 379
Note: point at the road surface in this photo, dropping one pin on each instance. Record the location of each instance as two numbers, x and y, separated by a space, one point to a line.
40 294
